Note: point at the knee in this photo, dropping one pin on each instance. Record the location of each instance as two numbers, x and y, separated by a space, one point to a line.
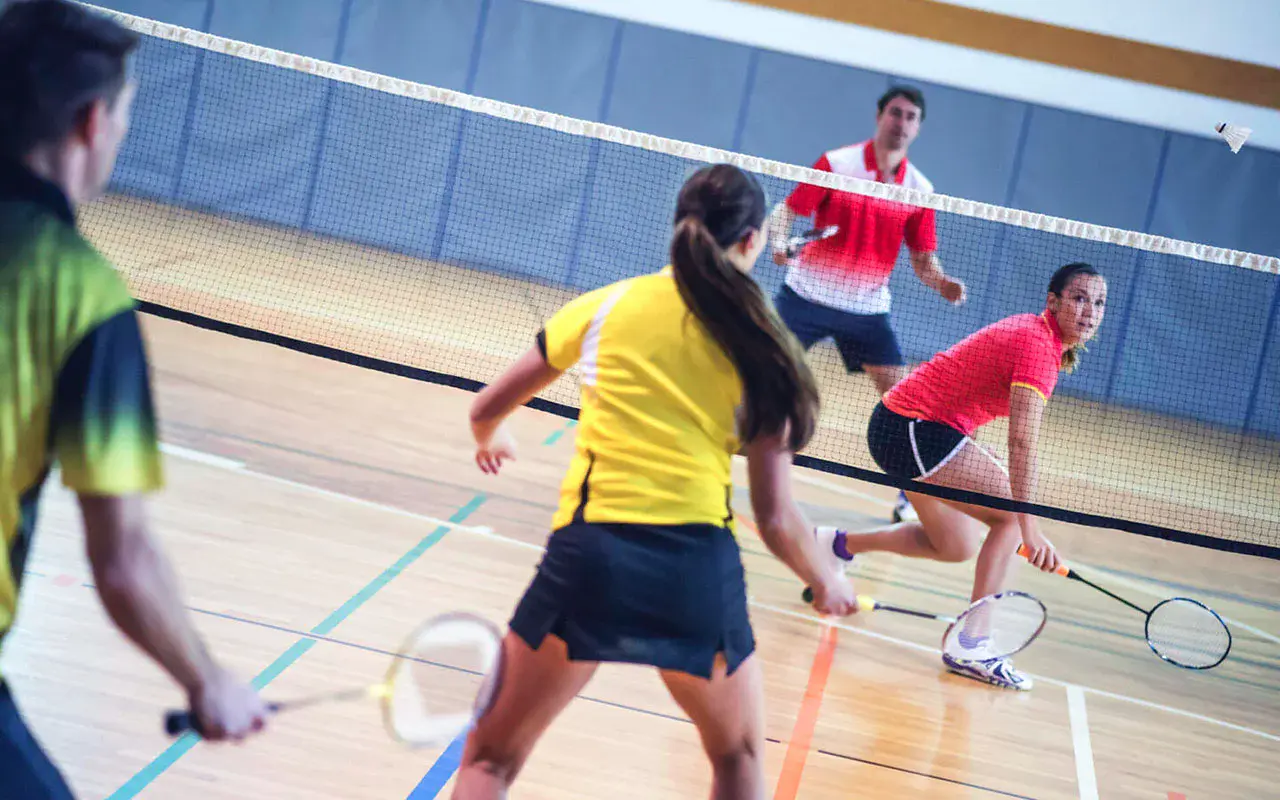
959 549
735 756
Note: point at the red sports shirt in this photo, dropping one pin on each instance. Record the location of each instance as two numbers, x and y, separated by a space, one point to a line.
850 271
969 384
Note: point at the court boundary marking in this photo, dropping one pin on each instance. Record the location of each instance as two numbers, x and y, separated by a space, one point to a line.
180 747
229 617
1086 776
489 533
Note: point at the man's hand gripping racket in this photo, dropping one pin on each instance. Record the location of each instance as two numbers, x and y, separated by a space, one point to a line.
444 678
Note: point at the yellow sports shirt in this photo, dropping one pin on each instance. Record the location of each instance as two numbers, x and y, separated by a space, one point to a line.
74 382
659 401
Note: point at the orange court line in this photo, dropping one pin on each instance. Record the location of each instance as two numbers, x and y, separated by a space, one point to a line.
807 719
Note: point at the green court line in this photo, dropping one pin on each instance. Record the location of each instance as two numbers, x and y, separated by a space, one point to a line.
179 748
555 436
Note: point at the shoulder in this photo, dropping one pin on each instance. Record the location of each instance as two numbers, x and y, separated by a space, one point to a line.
89 278
848 160
84 288
915 179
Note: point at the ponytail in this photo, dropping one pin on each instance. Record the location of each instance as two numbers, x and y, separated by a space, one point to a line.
1071 358
779 388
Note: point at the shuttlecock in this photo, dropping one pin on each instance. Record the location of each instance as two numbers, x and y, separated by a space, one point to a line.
1234 134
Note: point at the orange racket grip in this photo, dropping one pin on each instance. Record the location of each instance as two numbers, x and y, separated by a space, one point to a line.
1062 569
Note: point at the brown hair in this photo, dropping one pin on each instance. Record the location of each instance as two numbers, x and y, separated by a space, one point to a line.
717 207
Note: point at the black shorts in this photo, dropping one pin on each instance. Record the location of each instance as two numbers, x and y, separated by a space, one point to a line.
911 448
25 771
669 596
860 338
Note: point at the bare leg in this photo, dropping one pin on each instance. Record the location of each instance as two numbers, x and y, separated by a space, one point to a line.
974 469
911 539
951 531
884 377
536 686
729 713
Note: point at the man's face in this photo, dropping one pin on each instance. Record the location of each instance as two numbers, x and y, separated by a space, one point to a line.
107 131
898 125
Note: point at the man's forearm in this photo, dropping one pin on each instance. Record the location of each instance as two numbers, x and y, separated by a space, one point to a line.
929 270
780 223
140 593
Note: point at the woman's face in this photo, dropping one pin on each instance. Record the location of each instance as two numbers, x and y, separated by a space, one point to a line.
1079 309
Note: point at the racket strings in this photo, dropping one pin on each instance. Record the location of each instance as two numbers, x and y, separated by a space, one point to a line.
1188 633
995 628
436 680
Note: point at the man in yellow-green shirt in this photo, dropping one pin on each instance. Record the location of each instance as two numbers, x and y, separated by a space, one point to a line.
74 378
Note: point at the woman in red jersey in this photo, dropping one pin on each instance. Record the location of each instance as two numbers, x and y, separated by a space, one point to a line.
923 428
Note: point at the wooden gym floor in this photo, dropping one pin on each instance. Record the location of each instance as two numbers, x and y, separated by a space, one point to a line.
304 514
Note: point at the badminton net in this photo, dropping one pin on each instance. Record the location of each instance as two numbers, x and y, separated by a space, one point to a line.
416 226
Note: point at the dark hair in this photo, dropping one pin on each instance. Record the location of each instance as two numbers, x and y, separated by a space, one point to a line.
56 59
717 206
908 93
1057 285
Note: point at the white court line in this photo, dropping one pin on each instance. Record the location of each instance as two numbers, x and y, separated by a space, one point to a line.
489 533
786 612
1042 678
1086 779
179 451
236 466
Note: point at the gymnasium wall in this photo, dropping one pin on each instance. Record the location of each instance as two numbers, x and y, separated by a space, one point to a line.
211 132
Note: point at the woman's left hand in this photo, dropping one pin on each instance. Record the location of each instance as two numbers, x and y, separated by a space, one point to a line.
500 447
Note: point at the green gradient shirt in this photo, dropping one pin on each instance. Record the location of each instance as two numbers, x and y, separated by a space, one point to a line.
74 380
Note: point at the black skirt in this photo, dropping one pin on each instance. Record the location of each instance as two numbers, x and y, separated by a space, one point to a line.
669 596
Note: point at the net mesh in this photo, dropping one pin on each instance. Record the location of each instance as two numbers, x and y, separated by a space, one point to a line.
439 230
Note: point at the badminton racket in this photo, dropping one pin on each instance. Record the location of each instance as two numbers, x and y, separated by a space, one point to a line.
995 626
812 235
1181 631
444 677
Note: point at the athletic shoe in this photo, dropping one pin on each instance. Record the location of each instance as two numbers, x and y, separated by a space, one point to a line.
902 510
995 671
826 537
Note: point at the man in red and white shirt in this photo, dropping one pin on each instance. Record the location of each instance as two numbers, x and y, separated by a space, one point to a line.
839 287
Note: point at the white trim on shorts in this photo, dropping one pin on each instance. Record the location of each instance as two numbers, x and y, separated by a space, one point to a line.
993 458
915 451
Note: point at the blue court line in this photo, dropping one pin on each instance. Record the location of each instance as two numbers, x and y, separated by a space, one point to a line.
441 771
555 436
179 748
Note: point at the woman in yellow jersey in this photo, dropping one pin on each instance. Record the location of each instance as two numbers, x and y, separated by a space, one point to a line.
680 369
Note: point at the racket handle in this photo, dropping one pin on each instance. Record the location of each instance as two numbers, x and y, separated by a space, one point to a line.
177 723
1062 569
